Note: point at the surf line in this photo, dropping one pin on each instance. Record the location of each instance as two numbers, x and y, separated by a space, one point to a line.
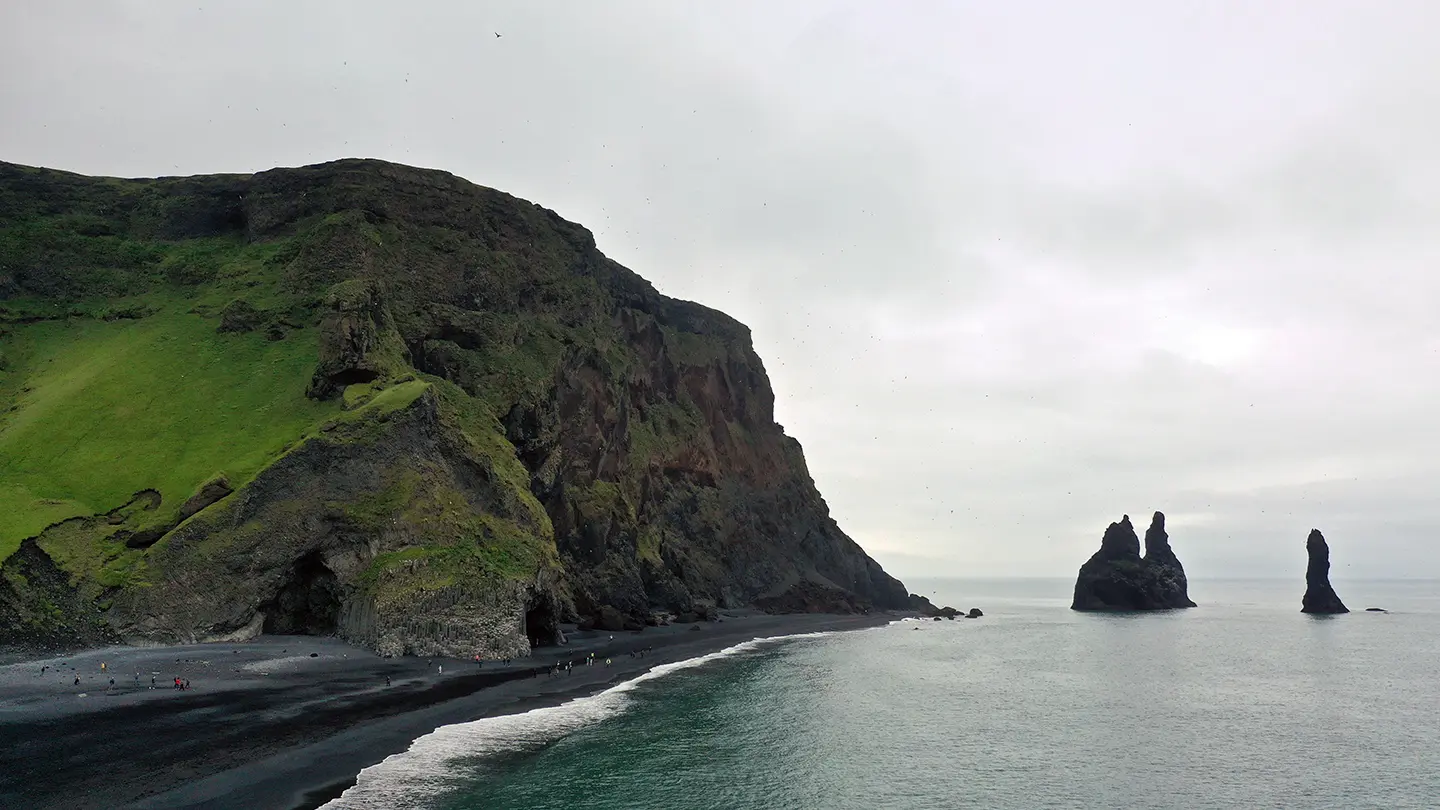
412 778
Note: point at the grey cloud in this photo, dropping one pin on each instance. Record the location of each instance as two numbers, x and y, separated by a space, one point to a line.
1014 269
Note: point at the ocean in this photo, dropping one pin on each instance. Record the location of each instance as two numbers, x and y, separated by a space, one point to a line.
1242 702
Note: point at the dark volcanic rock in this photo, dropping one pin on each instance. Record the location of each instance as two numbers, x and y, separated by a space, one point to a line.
1319 596
925 607
39 610
922 605
609 619
974 613
1118 578
213 490
1157 542
807 596
240 316
358 341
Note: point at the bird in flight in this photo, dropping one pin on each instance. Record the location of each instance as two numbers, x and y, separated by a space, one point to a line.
497 35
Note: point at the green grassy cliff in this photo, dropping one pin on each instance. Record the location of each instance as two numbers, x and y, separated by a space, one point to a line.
380 401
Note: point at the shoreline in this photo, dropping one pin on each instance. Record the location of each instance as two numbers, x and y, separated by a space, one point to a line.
267 724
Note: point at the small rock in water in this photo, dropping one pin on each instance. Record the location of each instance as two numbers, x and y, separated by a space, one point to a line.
314 655
974 613
1376 610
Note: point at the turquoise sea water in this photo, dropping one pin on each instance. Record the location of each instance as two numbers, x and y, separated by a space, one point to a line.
1243 702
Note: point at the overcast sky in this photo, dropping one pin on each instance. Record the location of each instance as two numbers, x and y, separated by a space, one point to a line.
1015 268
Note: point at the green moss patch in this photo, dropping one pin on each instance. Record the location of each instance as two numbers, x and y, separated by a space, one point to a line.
462 545
104 409
648 545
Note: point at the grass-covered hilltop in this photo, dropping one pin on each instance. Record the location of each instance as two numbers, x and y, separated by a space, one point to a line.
379 401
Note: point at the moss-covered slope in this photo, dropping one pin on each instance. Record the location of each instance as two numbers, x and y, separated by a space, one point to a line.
376 400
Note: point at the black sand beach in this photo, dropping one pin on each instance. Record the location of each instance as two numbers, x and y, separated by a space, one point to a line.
287 721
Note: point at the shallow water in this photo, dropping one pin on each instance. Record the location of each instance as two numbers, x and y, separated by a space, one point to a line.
1243 702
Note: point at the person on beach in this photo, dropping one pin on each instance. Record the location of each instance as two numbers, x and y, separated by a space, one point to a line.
440 669
607 662
187 684
387 680
102 666
77 679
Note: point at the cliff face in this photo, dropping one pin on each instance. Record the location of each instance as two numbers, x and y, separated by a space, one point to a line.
1319 596
464 423
1118 578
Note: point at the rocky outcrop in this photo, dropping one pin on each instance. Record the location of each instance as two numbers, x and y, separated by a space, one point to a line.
1319 596
41 611
923 606
807 596
240 316
1118 578
316 544
358 342
209 494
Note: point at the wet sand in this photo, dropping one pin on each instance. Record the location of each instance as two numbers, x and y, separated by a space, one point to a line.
288 721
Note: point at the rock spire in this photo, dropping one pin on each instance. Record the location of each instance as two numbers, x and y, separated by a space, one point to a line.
1118 578
1319 596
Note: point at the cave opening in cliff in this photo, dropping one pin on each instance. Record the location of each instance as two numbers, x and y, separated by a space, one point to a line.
541 626
354 376
308 603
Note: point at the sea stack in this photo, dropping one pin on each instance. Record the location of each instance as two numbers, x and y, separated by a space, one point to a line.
1319 596
1118 578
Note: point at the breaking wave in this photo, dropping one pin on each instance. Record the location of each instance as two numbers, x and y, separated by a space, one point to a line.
443 759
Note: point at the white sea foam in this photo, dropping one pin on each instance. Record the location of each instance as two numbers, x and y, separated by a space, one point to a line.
411 779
